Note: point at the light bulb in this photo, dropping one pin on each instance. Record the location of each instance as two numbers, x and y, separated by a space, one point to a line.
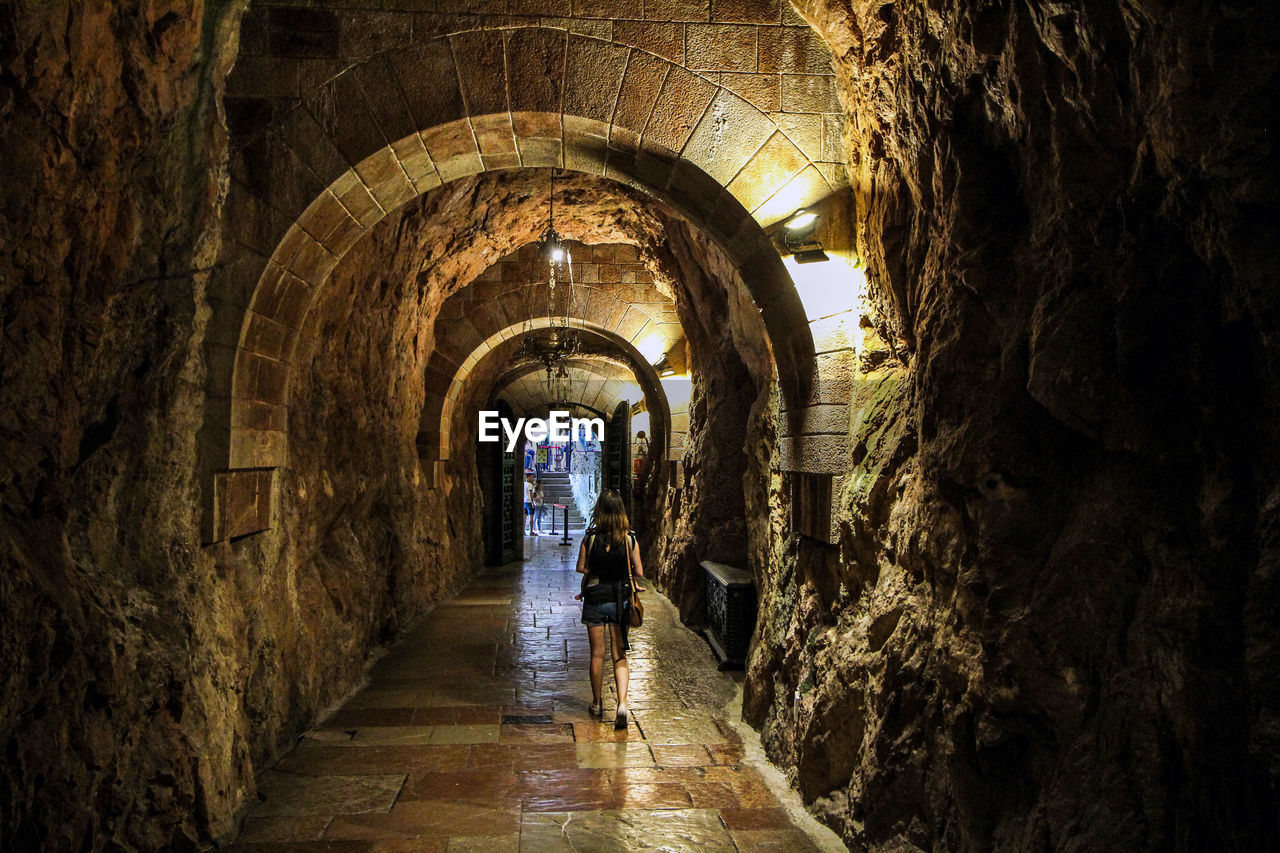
801 219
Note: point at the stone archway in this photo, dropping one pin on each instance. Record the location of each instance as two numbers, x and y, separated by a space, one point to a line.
309 185
596 382
444 410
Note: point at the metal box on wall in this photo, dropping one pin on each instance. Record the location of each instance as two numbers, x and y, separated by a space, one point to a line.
731 612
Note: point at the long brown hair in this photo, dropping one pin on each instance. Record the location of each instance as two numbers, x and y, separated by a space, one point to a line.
609 518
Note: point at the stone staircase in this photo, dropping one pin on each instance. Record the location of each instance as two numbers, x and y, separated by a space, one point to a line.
556 490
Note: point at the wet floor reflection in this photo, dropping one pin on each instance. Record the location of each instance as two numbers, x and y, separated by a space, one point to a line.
473 734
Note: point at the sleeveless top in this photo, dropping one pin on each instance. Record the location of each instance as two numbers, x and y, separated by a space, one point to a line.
609 564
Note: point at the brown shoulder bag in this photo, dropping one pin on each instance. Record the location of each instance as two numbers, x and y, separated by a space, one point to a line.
637 609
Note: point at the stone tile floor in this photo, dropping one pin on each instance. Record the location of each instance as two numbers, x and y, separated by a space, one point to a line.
472 734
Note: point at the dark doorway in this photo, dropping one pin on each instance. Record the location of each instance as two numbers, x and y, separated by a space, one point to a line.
617 459
501 487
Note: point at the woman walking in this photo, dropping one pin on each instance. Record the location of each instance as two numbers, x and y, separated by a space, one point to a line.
608 560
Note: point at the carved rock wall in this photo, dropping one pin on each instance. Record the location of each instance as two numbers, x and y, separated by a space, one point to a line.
115 703
1050 619
706 508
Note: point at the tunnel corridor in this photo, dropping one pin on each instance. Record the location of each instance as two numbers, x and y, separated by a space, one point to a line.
945 328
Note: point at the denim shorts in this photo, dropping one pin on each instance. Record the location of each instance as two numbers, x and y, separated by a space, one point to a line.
602 611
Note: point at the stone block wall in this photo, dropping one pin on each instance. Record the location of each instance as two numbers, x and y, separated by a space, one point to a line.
764 54
814 445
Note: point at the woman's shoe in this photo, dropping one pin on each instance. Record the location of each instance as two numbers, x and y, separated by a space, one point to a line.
620 718
596 710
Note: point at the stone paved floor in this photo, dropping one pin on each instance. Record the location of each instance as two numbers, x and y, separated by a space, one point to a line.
472 734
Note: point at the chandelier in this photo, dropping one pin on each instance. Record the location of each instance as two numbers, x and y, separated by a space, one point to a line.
553 351
551 246
560 295
553 307
557 382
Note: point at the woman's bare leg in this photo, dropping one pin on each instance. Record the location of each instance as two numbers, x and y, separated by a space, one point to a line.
595 633
621 670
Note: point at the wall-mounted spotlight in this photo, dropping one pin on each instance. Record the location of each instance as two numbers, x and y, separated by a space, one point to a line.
799 237
801 219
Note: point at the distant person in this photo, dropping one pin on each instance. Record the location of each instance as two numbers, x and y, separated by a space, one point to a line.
608 560
528 500
539 506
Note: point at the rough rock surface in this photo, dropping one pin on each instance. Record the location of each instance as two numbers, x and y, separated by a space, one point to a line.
1050 622
114 697
708 518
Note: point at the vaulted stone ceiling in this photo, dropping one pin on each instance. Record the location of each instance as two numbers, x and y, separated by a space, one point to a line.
750 82
333 127
593 383
607 288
